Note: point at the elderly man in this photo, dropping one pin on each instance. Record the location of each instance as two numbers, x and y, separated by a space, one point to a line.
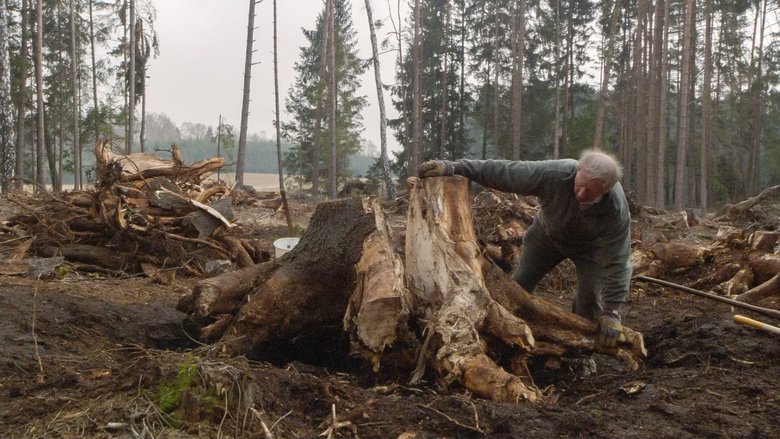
583 217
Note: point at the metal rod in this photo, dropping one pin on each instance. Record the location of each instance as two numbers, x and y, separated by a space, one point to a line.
765 311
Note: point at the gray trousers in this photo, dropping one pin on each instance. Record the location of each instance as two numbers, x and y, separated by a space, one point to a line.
541 254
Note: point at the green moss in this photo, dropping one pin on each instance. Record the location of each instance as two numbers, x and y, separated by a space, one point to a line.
184 398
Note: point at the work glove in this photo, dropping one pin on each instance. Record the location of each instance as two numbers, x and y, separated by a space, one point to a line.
436 168
610 329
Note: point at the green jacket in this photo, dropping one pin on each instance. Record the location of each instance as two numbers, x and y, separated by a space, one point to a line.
602 232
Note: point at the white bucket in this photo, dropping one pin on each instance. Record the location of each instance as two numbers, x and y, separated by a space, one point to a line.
284 245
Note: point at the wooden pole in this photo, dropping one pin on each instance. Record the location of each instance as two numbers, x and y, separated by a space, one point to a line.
738 304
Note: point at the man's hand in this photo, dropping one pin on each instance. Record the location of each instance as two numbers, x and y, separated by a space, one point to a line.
610 329
436 168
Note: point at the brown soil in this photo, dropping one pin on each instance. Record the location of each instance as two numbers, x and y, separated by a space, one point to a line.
87 356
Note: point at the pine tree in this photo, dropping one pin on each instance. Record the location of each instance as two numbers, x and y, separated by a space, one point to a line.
441 66
304 105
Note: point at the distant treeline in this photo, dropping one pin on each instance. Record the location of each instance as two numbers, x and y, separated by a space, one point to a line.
198 141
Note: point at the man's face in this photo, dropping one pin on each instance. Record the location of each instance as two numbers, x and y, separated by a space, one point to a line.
588 190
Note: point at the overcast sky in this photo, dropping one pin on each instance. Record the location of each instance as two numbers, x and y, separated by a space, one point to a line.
199 73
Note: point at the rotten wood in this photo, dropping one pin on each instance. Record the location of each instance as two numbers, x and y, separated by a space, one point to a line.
377 315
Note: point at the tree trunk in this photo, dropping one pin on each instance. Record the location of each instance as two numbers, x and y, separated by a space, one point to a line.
686 70
241 155
40 150
518 58
6 130
21 96
414 154
607 68
131 79
757 106
95 107
443 101
389 185
76 90
315 146
278 124
654 102
706 109
497 153
663 109
639 124
332 95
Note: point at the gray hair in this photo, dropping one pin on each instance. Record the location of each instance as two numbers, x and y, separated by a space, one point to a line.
599 165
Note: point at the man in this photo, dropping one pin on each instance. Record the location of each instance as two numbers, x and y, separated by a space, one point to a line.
583 217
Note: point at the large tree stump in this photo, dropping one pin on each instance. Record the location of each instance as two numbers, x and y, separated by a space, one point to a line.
464 296
444 275
314 282
442 305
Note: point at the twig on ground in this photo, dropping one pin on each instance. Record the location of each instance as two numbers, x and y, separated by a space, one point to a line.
335 424
587 397
454 421
35 338
266 430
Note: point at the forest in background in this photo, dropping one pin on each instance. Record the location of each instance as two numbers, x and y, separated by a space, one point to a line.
684 92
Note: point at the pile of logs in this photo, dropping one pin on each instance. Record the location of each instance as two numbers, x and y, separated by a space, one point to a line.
144 215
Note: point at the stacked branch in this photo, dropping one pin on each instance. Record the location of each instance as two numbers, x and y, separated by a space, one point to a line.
144 215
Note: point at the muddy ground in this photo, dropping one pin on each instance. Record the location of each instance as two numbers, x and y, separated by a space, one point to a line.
93 356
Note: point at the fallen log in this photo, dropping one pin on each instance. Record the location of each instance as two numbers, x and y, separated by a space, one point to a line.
732 211
678 255
141 166
224 293
761 291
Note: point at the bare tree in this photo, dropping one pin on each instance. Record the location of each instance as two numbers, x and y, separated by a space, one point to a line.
706 108
6 130
76 90
680 198
656 138
518 48
757 102
21 95
332 93
443 101
638 122
278 131
663 112
497 153
94 69
131 78
389 186
414 155
607 68
241 156
556 74
40 176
